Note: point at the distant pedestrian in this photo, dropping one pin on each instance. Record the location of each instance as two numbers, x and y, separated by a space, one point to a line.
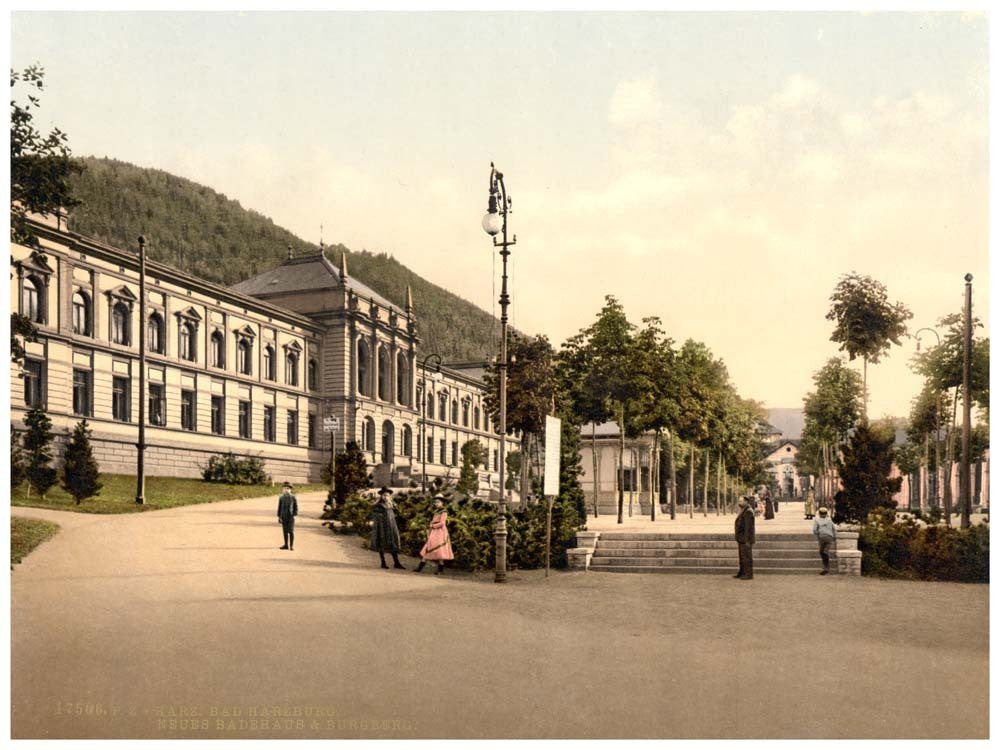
810 504
768 505
385 533
438 546
288 508
826 533
745 538
775 502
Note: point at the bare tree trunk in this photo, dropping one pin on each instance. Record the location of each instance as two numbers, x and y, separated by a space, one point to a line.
654 464
673 478
621 465
864 391
937 470
718 486
948 461
690 498
925 484
704 494
593 455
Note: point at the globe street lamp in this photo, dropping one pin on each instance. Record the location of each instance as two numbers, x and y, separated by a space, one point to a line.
423 418
494 223
965 486
140 463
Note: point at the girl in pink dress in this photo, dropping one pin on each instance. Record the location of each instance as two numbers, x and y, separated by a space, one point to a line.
438 546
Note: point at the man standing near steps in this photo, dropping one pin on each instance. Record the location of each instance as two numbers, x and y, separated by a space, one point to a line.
745 539
826 534
288 508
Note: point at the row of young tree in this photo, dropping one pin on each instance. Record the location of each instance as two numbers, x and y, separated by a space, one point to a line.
638 378
852 457
31 459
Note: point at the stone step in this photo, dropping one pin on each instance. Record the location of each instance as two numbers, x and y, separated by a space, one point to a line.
763 554
699 544
698 562
704 570
615 536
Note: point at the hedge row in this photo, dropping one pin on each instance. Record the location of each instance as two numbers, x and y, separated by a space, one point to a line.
471 524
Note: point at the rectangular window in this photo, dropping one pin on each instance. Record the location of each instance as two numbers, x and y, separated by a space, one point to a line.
33 382
81 392
269 424
244 419
444 452
187 410
496 460
157 404
219 415
311 426
120 400
293 427
430 450
454 453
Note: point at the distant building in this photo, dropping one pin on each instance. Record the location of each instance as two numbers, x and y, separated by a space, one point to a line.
252 369
639 486
780 464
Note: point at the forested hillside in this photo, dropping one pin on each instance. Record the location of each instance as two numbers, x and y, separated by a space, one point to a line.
194 228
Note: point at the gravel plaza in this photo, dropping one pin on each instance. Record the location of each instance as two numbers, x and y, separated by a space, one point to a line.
190 622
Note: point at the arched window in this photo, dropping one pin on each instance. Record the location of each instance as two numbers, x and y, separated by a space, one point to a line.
245 356
429 403
120 320
402 379
313 375
217 350
31 300
407 440
154 333
384 374
454 411
475 417
269 362
364 367
388 442
443 407
369 436
292 368
81 313
465 414
186 347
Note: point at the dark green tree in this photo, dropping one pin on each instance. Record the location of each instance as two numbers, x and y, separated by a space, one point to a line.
80 473
866 322
864 467
531 395
351 474
37 444
18 464
513 461
473 454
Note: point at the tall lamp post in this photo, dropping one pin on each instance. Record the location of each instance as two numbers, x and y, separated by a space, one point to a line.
495 222
140 466
937 422
423 419
964 488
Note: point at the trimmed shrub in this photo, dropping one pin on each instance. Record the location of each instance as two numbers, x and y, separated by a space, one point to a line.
226 468
905 549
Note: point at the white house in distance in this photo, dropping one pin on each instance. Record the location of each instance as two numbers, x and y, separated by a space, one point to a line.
781 466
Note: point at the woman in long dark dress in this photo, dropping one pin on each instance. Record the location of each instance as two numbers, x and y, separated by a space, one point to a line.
385 533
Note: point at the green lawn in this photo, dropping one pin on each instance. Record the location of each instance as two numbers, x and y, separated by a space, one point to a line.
118 494
26 534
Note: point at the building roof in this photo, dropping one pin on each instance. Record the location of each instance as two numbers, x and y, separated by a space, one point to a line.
307 273
473 370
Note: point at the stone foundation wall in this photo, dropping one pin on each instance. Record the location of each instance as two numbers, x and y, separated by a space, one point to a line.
119 457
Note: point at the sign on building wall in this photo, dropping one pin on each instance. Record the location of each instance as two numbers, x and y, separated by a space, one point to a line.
553 435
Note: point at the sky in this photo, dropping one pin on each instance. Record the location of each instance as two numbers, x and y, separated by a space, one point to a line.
718 170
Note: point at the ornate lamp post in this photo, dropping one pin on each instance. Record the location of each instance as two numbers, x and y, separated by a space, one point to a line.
140 466
423 418
494 223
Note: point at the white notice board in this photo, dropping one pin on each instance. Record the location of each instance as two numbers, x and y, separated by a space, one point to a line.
553 435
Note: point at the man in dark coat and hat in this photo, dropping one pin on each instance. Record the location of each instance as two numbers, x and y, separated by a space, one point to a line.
385 533
288 508
745 539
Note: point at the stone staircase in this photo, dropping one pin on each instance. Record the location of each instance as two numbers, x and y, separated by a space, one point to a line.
632 552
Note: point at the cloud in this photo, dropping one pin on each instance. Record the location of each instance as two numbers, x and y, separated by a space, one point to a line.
634 103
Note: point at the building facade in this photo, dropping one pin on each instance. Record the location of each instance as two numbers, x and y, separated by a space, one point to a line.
252 369
602 442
